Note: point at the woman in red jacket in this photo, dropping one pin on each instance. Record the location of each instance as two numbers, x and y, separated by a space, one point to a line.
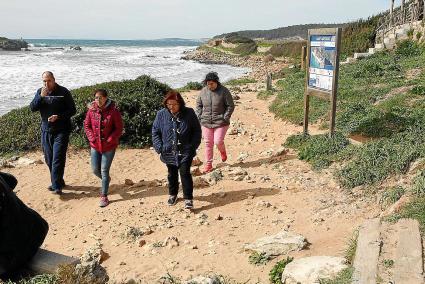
103 126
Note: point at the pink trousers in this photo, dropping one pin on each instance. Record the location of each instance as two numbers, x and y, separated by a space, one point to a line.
214 136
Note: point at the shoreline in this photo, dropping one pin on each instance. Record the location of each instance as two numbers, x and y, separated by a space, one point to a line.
158 63
260 66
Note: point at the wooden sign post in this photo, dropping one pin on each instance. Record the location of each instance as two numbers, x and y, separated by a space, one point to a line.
322 70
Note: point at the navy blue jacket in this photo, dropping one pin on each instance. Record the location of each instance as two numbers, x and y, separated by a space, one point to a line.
176 138
58 102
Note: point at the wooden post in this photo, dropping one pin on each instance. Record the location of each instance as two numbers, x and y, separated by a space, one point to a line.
269 82
403 12
335 85
304 56
392 13
306 110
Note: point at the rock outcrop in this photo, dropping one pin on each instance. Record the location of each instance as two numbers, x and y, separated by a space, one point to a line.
12 44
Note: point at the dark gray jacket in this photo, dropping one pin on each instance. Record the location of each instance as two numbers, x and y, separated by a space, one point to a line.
214 108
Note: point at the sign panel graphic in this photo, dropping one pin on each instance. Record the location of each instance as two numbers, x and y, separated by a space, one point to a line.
322 62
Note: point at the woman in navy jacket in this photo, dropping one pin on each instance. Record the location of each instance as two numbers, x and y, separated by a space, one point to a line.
176 134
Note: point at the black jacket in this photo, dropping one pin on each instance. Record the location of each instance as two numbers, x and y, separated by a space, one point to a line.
176 138
22 230
59 102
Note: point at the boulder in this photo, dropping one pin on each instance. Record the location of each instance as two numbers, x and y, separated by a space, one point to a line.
280 244
12 45
309 270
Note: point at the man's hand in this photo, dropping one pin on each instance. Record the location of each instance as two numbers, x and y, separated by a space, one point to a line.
52 118
44 92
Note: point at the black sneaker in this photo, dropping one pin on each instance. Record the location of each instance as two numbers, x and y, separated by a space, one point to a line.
58 191
50 188
188 204
172 200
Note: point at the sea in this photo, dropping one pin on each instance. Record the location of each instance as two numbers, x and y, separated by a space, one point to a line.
100 61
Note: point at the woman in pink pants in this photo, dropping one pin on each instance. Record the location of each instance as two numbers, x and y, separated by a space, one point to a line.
214 107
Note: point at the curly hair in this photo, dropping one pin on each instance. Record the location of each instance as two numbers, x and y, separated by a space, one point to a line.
211 76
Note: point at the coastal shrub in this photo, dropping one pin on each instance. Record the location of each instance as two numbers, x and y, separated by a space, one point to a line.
408 48
246 48
241 81
20 131
138 101
375 161
191 86
359 36
319 150
235 38
290 49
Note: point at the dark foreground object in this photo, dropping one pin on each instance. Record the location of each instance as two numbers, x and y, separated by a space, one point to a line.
22 230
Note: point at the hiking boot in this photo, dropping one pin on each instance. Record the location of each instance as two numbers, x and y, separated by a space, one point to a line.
172 199
104 201
223 156
50 188
207 169
188 204
57 191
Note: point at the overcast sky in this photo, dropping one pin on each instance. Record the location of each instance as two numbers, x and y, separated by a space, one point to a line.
153 19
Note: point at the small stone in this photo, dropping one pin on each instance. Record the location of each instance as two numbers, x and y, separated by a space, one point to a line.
142 243
196 162
219 217
128 182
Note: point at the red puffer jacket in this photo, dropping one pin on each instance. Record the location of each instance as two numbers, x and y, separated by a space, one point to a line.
103 127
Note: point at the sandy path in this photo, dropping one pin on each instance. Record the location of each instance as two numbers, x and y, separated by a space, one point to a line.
301 200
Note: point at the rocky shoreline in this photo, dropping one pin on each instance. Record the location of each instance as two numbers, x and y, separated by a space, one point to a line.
260 65
12 44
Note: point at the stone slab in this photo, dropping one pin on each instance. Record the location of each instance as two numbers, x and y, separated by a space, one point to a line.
47 261
408 265
367 253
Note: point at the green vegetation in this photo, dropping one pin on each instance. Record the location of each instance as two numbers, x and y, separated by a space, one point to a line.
245 49
287 49
39 279
344 277
392 195
138 101
275 275
257 258
388 263
380 101
191 86
359 36
237 82
319 150
350 251
413 210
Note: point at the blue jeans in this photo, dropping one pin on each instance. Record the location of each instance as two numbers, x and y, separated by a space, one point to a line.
100 164
54 149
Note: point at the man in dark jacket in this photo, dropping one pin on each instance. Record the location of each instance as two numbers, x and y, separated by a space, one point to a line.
22 230
56 108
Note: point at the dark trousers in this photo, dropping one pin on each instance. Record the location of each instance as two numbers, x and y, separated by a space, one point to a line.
185 177
54 148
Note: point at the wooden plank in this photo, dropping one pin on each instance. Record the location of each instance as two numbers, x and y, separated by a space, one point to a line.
367 253
408 265
47 261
